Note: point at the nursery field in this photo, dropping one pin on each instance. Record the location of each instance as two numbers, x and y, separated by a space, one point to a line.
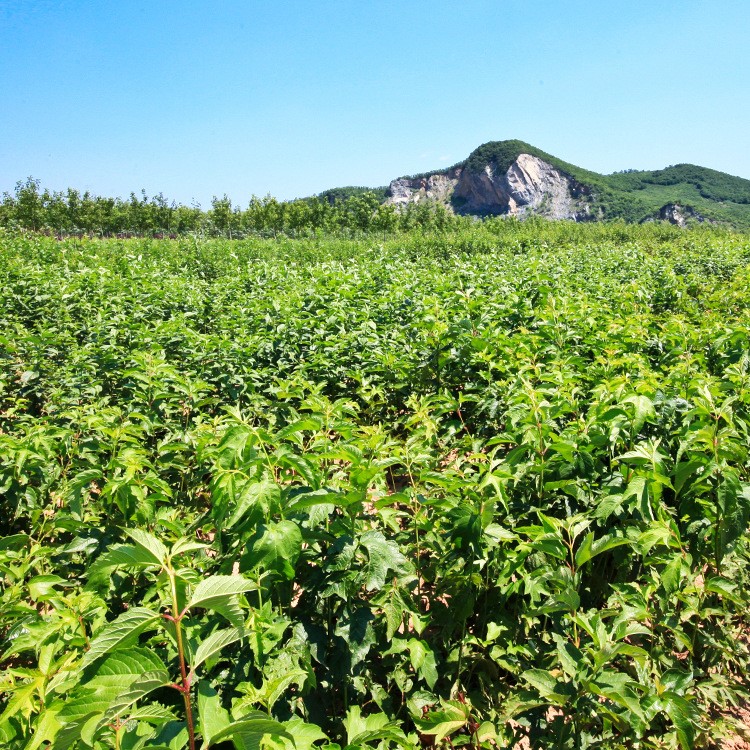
485 488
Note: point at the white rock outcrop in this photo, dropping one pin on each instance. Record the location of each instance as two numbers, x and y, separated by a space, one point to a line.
529 186
437 187
674 213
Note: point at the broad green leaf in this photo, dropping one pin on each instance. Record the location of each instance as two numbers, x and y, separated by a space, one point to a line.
152 713
570 657
22 697
250 728
275 548
212 716
301 735
219 590
590 547
672 574
183 546
120 631
42 587
371 728
84 705
79 723
423 660
118 669
548 686
46 727
444 722
171 736
685 716
643 408
357 631
383 556
722 586
125 555
273 688
145 684
300 465
150 544
213 644
264 495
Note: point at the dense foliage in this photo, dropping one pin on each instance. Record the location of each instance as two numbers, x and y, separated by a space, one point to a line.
347 211
447 490
343 193
633 195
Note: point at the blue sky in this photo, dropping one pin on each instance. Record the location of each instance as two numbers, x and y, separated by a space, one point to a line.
197 99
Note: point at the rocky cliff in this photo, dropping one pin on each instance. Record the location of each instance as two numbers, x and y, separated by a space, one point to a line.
439 186
680 215
529 186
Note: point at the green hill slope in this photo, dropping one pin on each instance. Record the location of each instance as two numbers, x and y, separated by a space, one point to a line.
631 195
638 195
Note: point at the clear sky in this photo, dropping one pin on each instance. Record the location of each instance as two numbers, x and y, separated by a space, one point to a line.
291 97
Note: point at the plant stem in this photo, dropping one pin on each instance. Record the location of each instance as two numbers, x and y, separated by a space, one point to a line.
177 617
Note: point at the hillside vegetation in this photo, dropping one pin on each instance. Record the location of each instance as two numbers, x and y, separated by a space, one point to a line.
632 196
458 489
635 196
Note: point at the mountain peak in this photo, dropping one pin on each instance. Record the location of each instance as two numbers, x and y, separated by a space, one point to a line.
515 178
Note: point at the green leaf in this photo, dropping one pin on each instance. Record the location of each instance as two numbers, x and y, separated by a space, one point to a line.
423 660
216 591
357 631
570 657
213 645
672 574
275 548
42 588
443 723
548 686
383 555
149 544
300 465
250 729
685 716
272 689
22 697
733 498
120 631
371 728
263 495
301 735
590 548
152 713
120 668
183 546
213 717
46 727
145 684
727 589
124 555
171 736
643 408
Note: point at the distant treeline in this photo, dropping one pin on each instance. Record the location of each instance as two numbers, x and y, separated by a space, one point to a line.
71 212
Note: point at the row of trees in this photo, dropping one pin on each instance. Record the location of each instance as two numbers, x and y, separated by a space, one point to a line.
71 212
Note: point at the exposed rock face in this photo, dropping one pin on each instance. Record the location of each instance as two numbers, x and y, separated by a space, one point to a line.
530 186
680 215
436 187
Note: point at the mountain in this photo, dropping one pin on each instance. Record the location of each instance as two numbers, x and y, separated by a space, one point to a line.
515 178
